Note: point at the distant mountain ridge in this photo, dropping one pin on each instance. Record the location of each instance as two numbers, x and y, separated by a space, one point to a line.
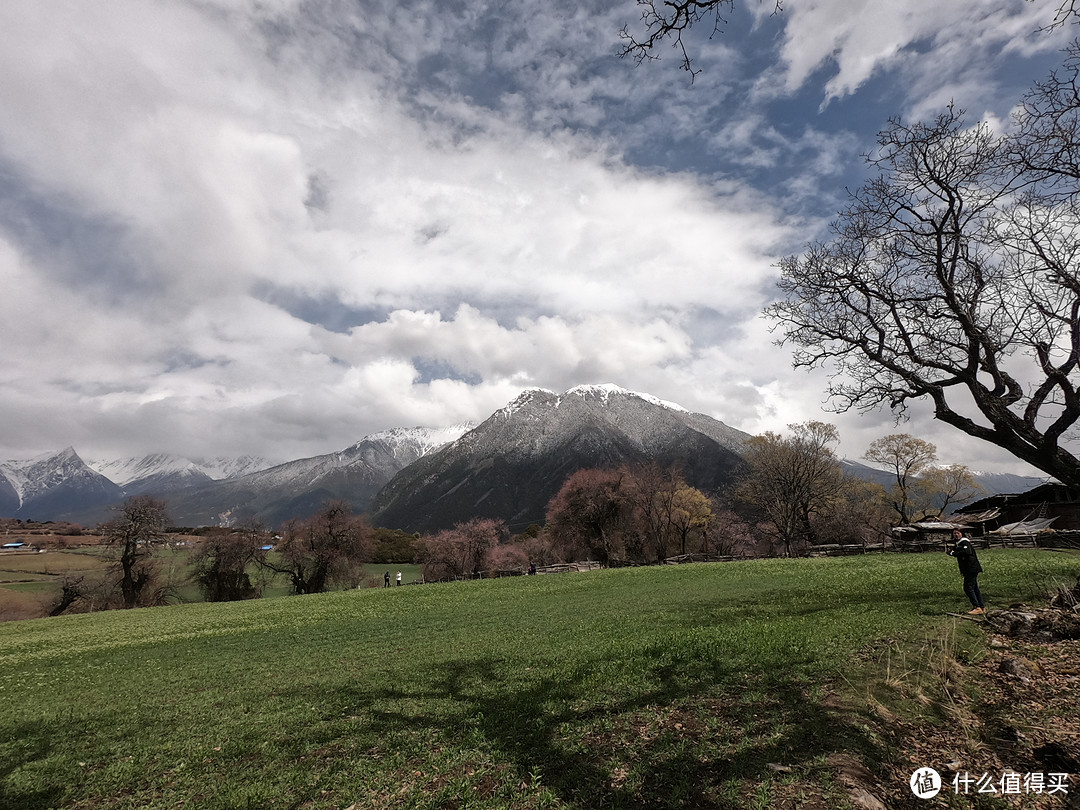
130 471
419 479
991 483
295 489
62 486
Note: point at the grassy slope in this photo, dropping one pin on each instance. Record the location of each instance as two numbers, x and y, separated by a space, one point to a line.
631 688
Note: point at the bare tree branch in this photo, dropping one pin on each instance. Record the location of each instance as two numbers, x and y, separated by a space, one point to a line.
953 277
670 20
1066 13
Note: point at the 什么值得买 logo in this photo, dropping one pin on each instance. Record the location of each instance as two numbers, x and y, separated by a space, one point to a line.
925 783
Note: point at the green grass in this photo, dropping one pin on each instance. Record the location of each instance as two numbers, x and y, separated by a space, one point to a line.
656 687
30 586
18 571
48 564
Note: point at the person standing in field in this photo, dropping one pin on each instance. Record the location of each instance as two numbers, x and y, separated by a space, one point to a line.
398 577
386 579
964 551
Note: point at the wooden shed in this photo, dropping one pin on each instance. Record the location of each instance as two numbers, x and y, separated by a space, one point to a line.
1041 503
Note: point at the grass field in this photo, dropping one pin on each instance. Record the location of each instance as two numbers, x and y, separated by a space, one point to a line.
677 686
30 582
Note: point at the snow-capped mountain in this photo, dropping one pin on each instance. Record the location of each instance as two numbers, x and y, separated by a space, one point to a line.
298 488
418 479
54 486
511 465
9 496
213 491
1005 483
61 486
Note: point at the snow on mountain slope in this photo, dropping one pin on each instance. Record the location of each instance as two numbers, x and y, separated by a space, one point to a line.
38 475
126 471
606 392
231 467
296 488
417 439
53 485
395 448
14 475
641 419
123 471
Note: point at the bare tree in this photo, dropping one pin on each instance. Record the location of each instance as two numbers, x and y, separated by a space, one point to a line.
792 480
1067 12
650 489
906 457
857 516
665 511
670 20
729 533
461 551
139 525
948 486
71 591
590 514
640 513
950 277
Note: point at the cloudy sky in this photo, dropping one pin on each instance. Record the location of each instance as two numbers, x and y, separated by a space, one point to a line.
276 226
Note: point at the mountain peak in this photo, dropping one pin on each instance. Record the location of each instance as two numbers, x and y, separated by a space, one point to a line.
53 484
511 465
421 439
604 392
56 456
526 398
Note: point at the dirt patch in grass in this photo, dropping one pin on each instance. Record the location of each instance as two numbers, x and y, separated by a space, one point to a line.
1008 706
16 605
1015 710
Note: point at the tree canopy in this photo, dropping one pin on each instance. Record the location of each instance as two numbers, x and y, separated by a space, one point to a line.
921 489
793 479
906 457
639 513
325 550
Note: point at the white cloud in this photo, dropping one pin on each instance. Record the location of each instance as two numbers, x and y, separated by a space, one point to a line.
935 45
194 186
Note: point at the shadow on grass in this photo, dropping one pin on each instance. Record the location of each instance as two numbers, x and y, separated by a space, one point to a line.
681 734
683 741
23 745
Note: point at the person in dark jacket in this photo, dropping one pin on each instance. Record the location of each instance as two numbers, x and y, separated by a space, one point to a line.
964 551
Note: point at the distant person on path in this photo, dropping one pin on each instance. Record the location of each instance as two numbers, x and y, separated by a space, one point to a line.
964 551
386 579
398 577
